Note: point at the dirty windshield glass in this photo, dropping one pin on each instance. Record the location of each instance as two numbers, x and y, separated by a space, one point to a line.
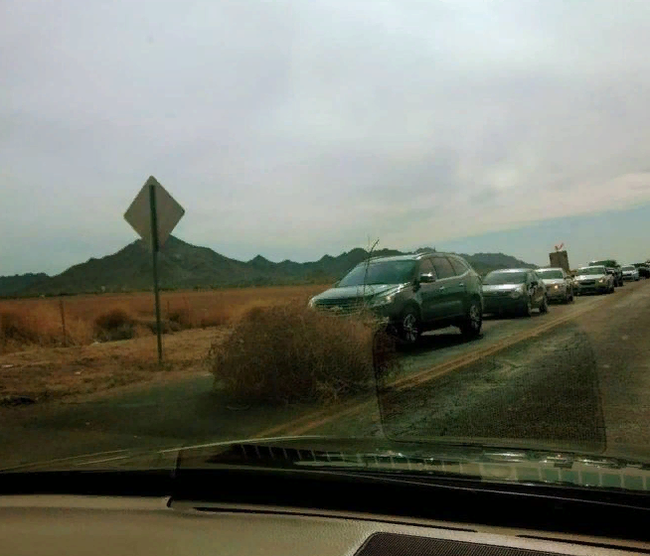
393 272
592 270
550 274
496 278
234 220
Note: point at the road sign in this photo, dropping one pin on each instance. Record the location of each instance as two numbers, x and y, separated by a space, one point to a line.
154 214
168 213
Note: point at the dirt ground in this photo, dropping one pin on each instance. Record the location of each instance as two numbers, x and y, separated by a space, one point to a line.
43 374
39 362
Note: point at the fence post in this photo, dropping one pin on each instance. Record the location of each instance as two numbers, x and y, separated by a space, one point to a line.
61 308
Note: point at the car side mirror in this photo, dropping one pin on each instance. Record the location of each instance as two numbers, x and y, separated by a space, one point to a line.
336 284
427 278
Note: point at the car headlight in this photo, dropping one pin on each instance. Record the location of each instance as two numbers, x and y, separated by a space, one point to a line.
602 280
381 300
515 293
312 303
556 287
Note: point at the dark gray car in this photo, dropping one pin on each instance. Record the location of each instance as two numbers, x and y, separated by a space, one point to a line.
414 293
515 291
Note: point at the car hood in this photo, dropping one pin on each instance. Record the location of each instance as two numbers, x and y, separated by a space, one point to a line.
581 277
501 288
553 281
351 292
629 271
164 458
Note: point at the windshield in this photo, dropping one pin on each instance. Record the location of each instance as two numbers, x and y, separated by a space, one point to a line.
497 278
606 263
390 272
629 268
550 274
195 194
588 270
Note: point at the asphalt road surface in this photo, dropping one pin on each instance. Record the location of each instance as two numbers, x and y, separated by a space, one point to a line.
577 378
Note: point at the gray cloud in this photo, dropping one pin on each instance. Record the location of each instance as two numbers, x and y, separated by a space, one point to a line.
294 128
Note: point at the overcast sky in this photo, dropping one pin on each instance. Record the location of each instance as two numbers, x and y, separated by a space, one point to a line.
293 128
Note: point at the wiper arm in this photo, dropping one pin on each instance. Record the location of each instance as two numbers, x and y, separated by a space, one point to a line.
475 462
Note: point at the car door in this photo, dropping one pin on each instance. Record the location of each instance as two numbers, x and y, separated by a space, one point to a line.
568 283
463 284
536 288
427 291
450 290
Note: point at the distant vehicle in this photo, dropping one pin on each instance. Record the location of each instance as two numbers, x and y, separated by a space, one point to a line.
644 270
414 293
517 290
613 268
559 284
630 272
594 279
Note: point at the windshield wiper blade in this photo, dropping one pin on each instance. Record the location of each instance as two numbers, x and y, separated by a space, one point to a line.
468 461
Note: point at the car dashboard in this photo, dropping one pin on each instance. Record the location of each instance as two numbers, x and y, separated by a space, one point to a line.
68 525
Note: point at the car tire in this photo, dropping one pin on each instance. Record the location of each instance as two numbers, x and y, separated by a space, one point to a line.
543 308
471 325
410 326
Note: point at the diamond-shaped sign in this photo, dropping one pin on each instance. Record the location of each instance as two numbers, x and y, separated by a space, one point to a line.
168 212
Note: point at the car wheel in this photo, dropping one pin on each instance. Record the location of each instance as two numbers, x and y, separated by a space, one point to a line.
471 326
543 308
410 327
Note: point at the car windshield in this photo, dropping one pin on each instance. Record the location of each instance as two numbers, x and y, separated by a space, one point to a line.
385 272
589 270
499 278
195 196
629 268
550 273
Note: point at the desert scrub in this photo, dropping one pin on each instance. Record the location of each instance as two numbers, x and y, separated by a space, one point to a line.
290 353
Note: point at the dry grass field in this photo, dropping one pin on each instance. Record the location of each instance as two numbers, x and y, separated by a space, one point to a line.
37 364
30 323
257 342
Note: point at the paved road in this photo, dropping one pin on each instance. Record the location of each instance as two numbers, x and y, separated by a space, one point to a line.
578 376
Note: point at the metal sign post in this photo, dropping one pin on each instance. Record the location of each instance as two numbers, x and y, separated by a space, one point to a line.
153 214
154 252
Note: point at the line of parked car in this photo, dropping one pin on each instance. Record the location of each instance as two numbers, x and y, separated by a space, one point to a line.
416 293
